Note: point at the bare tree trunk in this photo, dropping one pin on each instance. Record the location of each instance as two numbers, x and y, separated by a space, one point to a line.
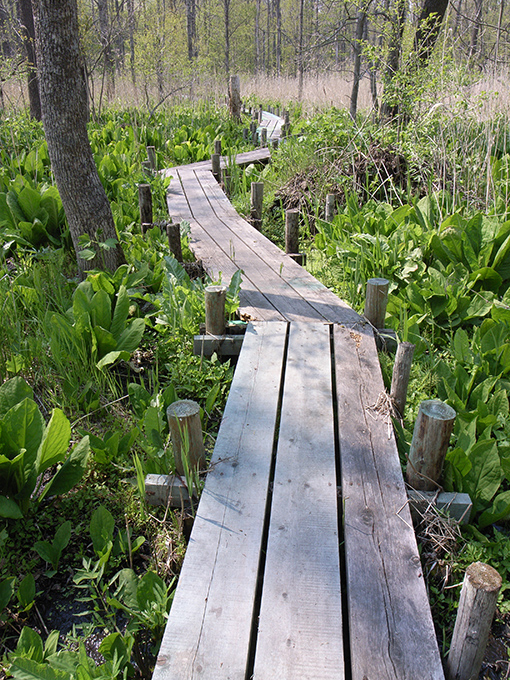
226 13
498 34
131 29
476 28
360 28
300 64
278 37
257 36
28 32
389 109
106 44
64 109
191 28
429 25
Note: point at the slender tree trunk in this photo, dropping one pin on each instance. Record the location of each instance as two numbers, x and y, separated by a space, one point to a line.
257 36
106 44
226 13
131 29
300 64
191 28
389 108
28 33
498 33
476 29
278 8
360 28
64 109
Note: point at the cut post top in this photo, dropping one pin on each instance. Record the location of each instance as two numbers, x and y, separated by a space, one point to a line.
434 408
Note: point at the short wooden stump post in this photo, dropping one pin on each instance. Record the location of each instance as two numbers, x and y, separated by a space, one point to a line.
292 231
145 203
329 212
215 309
173 232
186 433
151 155
431 436
477 605
263 137
217 146
401 375
234 97
216 166
376 301
257 195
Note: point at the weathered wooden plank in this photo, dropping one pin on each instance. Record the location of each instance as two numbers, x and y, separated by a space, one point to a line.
239 249
300 625
209 627
224 345
390 624
257 156
326 304
254 304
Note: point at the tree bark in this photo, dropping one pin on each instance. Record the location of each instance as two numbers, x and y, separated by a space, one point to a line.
28 33
300 49
226 16
64 110
191 29
360 28
429 25
106 44
389 109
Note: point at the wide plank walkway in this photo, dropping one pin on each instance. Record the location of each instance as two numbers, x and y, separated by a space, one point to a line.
302 563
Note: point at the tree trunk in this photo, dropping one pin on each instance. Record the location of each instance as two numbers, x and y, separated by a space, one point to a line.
429 25
106 44
131 29
360 28
64 109
257 37
300 64
389 108
28 33
476 29
191 29
278 37
226 13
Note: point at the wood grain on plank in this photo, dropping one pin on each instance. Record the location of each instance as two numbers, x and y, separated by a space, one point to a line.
391 630
300 625
208 630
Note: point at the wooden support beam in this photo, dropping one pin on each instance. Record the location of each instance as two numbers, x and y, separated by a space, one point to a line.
186 432
292 231
263 137
457 505
234 97
165 490
145 203
431 436
216 166
222 345
217 146
477 606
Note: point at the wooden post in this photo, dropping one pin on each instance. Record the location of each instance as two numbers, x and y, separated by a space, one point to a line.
217 146
145 203
291 231
330 207
255 138
257 194
263 137
477 605
145 227
376 301
246 133
151 155
184 417
215 309
253 127
401 374
216 166
275 142
234 97
173 232
260 113
431 436
146 167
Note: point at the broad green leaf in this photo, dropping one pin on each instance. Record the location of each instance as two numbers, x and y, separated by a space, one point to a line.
101 312
13 392
120 313
112 357
102 526
71 471
26 592
6 591
139 398
29 201
113 647
151 588
499 510
9 508
484 478
46 551
55 441
6 217
22 428
105 341
30 645
87 254
131 337
28 669
51 644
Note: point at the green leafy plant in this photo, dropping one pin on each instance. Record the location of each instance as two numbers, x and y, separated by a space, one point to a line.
51 552
28 448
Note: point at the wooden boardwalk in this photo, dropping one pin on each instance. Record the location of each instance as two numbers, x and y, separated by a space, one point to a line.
302 563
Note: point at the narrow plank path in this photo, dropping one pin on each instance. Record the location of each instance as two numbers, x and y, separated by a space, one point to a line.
302 563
